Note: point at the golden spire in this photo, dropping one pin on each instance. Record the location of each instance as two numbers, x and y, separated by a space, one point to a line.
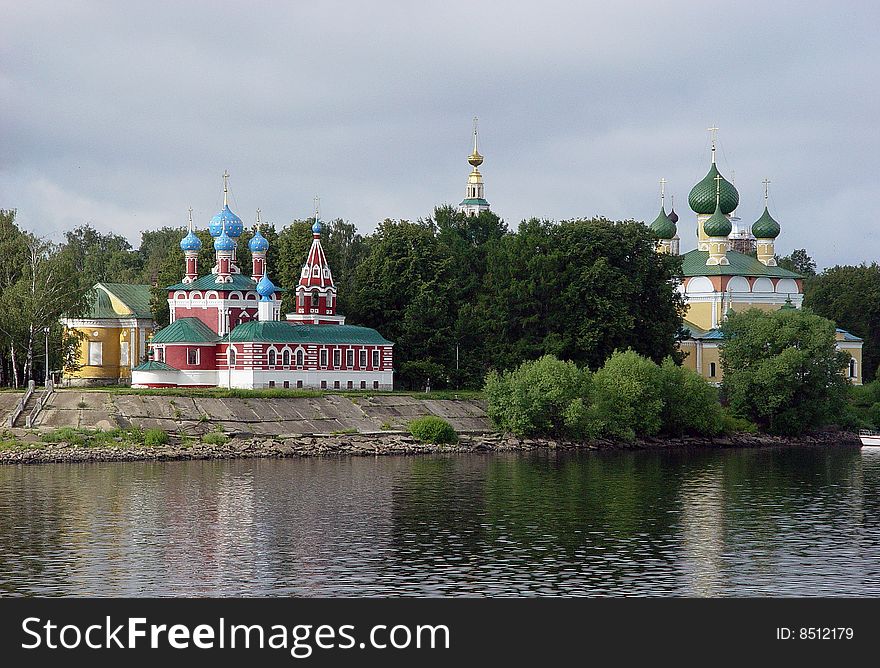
475 159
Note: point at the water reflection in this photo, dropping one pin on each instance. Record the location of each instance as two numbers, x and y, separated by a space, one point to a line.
796 521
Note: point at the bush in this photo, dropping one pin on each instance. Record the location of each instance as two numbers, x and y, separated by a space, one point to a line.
628 397
432 429
155 437
690 404
731 424
544 397
215 438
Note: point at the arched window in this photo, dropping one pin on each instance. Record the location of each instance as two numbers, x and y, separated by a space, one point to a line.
711 369
299 357
285 358
316 272
231 356
852 368
273 358
315 299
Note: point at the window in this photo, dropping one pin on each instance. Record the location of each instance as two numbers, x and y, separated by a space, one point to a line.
852 368
192 356
315 299
299 383
337 358
302 299
711 369
271 383
323 384
273 358
363 359
159 354
375 359
123 354
285 358
363 385
323 358
286 384
96 353
232 356
335 384
329 299
350 385
299 357
375 384
349 358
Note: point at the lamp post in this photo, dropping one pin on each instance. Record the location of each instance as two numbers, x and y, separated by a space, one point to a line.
46 383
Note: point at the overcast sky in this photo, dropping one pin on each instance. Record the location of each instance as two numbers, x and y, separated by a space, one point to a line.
125 114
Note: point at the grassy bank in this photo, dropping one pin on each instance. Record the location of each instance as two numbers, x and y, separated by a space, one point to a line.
274 393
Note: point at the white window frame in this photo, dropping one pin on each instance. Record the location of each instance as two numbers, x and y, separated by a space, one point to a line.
96 353
197 356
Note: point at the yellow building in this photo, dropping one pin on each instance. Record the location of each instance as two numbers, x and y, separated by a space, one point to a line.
114 334
716 278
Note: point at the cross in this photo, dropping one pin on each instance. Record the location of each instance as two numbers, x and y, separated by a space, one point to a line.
662 190
717 188
475 134
225 188
258 223
190 219
766 183
713 134
317 207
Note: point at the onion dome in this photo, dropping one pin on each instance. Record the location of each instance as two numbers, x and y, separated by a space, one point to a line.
316 228
702 197
191 242
765 227
663 226
225 218
224 242
673 216
258 243
717 225
266 288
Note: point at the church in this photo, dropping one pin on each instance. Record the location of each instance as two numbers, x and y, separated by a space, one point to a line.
226 328
732 268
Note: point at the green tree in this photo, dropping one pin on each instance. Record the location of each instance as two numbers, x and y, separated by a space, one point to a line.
628 396
101 257
850 296
690 404
782 369
799 262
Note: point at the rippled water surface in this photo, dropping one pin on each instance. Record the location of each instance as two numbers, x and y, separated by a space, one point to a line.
795 521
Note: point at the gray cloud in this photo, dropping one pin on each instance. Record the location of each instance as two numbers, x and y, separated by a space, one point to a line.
125 114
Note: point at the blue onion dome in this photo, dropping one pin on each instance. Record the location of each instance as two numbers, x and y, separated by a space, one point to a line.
316 228
234 226
258 243
765 227
191 242
702 195
663 226
266 288
673 216
224 242
717 225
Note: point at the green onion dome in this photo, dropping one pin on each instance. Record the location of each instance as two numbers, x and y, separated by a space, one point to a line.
717 225
702 196
662 226
765 227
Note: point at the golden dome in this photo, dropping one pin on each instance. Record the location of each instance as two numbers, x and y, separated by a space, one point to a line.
475 159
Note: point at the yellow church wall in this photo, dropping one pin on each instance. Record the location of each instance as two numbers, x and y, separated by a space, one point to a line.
700 313
109 369
711 355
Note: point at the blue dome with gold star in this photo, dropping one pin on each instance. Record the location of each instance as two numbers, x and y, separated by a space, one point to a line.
190 242
225 218
266 288
224 242
258 243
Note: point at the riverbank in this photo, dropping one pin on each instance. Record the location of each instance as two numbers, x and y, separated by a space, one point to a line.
232 446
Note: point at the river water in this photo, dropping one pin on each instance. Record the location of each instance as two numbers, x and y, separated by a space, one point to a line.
777 522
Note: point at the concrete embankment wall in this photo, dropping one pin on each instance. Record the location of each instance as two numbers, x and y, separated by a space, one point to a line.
261 416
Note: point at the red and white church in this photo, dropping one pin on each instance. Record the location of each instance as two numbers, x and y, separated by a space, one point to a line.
226 329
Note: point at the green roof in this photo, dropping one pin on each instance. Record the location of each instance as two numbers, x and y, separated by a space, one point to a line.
209 282
136 299
154 366
693 263
703 195
694 332
479 201
717 225
765 227
277 331
663 226
186 330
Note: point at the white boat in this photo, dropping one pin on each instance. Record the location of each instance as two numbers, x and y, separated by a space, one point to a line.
869 439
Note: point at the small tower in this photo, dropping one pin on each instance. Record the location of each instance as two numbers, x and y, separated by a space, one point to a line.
675 244
710 192
316 292
191 245
268 306
258 246
717 228
474 201
228 221
766 229
224 248
664 227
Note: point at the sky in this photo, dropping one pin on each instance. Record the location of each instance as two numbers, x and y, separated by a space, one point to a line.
125 114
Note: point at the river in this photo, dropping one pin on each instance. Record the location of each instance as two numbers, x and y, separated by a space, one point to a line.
735 522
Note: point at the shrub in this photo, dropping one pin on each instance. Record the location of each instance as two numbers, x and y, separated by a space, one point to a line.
690 404
731 424
546 397
628 397
155 437
432 429
215 438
